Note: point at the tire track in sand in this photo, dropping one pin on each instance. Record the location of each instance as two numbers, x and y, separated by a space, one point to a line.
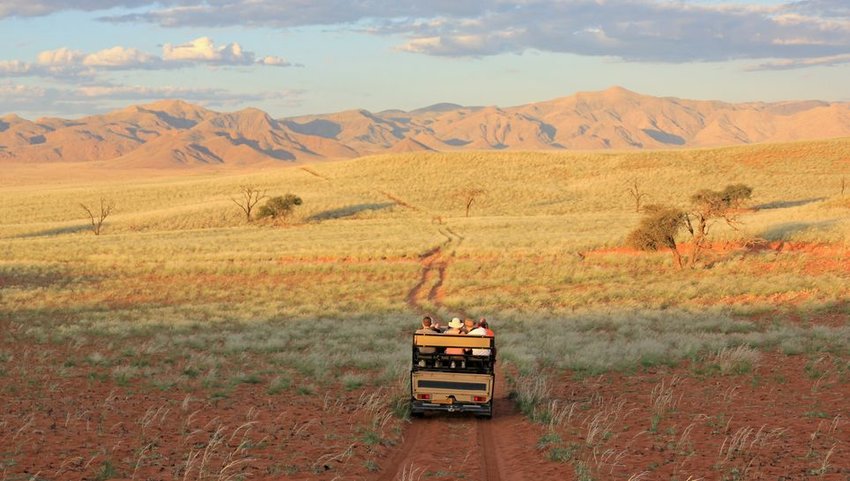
434 265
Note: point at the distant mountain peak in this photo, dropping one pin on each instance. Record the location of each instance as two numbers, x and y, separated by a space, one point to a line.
172 104
11 118
438 107
616 90
175 132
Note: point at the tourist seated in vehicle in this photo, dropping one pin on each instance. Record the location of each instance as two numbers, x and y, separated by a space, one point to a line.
480 330
428 327
483 323
455 326
468 325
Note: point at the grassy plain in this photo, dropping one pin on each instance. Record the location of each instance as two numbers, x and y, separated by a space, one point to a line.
179 292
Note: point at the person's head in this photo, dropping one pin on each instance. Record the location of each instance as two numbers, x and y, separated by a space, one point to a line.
426 321
455 323
469 324
483 323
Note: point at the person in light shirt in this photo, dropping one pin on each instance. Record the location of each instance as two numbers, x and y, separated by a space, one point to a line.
481 329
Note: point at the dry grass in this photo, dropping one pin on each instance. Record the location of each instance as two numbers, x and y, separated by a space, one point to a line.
177 255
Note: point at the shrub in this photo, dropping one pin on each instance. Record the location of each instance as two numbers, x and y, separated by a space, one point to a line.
657 230
279 208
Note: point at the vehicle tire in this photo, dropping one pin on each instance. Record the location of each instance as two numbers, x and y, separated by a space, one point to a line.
487 415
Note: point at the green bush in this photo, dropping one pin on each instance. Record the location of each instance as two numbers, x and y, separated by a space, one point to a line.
279 208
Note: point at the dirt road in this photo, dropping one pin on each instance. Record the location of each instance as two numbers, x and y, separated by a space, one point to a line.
455 446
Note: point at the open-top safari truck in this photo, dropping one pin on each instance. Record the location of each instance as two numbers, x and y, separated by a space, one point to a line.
443 379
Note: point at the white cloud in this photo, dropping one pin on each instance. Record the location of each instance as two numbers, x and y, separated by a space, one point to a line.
204 50
68 64
60 57
120 57
15 68
276 61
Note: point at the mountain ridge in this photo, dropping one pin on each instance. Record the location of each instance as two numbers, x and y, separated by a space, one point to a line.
175 133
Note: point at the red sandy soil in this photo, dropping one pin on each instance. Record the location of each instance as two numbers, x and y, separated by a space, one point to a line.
756 245
71 429
791 411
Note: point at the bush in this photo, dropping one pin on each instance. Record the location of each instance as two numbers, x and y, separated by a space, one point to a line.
657 230
280 207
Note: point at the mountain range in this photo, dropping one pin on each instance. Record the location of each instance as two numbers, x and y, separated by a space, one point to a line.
174 133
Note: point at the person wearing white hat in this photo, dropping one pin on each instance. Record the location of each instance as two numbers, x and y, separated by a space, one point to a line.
454 328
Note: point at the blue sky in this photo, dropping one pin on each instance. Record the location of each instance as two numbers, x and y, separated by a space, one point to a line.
301 56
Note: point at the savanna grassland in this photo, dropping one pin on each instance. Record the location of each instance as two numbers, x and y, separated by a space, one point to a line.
186 343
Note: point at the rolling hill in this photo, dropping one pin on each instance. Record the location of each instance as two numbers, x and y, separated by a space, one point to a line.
178 134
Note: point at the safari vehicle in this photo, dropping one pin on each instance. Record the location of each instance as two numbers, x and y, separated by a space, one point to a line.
452 382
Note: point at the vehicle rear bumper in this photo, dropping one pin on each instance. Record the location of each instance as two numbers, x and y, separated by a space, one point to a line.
418 407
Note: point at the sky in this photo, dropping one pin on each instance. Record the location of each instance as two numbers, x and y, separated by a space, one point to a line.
297 57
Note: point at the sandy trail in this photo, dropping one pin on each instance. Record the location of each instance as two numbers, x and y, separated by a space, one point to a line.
456 446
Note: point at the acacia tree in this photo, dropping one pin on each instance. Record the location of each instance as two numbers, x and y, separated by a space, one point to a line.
280 207
249 196
709 206
468 195
636 193
658 230
660 226
98 217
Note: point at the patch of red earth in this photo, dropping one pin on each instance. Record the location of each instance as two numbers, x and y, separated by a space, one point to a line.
63 419
826 250
786 420
76 429
628 251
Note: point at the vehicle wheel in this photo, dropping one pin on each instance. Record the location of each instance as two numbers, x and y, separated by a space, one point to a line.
488 415
417 414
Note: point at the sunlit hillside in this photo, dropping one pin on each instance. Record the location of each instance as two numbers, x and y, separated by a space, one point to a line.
540 243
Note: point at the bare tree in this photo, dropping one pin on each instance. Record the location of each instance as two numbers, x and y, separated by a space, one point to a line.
635 192
97 218
468 195
249 196
843 185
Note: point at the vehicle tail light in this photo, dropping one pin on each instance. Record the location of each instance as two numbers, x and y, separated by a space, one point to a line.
423 396
479 399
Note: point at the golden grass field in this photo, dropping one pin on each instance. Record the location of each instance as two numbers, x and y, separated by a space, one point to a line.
538 248
180 295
